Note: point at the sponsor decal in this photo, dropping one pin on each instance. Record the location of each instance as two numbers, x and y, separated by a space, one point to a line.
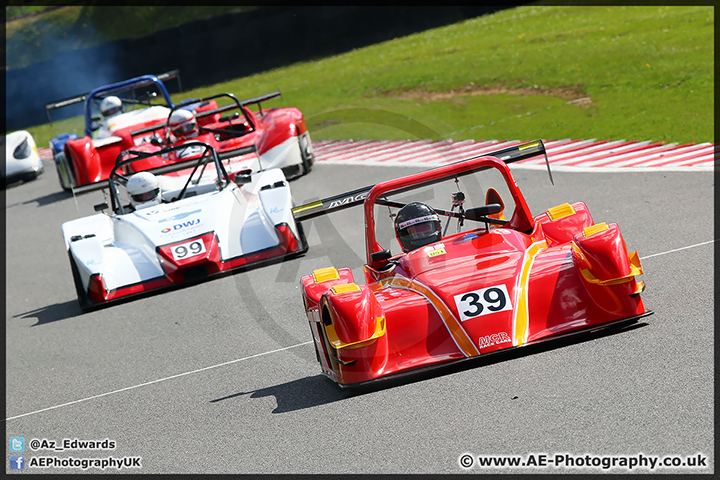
415 221
484 301
435 250
494 339
276 210
179 216
166 209
181 226
92 261
469 236
347 200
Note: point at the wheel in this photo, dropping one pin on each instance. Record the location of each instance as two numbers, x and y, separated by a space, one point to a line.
83 298
64 171
306 152
303 239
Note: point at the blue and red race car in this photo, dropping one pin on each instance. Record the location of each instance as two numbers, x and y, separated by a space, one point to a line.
135 114
501 279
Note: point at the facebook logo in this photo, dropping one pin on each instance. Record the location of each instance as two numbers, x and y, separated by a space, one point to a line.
17 444
17 462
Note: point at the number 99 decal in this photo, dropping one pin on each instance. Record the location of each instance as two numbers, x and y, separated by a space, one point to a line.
483 302
186 250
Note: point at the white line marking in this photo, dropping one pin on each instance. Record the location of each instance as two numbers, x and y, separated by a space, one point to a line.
678 249
158 380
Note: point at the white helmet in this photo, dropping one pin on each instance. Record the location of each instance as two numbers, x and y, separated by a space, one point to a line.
183 124
144 190
110 106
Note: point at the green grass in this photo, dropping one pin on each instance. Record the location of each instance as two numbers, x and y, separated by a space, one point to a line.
648 72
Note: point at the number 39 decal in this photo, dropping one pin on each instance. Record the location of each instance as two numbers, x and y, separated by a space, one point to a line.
483 302
186 250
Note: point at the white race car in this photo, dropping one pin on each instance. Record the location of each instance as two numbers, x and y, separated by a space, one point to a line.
208 222
22 161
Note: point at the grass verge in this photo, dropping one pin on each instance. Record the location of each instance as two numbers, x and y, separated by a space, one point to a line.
604 72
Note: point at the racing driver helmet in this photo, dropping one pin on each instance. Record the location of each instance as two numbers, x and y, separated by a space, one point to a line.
144 190
416 225
110 106
183 124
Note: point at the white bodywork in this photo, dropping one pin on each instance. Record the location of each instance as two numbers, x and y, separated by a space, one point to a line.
287 154
283 155
124 247
26 160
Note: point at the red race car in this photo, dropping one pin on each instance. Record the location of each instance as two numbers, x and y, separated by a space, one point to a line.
502 278
137 114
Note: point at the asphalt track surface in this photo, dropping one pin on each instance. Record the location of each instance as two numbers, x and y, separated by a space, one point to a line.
221 377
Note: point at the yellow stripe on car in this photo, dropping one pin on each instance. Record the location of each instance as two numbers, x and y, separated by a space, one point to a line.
521 318
309 206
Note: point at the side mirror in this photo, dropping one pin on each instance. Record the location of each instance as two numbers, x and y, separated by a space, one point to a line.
380 256
101 207
155 140
492 196
478 213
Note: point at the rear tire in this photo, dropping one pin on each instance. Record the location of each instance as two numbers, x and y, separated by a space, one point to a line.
64 171
306 152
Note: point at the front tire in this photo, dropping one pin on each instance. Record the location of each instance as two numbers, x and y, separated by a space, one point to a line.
82 295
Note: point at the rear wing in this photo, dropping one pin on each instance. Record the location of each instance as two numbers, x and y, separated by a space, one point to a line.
344 200
81 98
223 109
249 101
261 98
